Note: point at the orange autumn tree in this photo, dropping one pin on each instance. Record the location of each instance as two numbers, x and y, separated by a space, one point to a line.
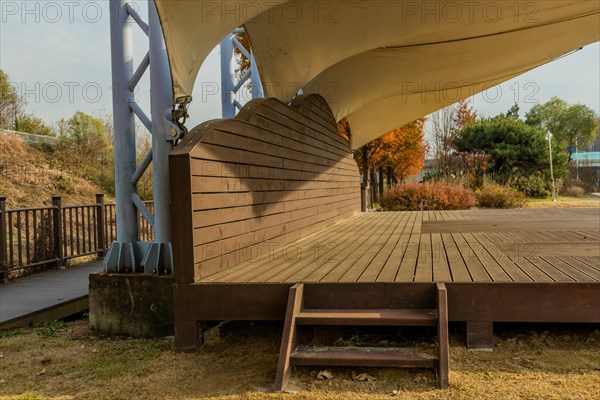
465 115
344 128
402 149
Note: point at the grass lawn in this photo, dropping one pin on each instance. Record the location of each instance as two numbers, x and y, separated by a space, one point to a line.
587 201
67 361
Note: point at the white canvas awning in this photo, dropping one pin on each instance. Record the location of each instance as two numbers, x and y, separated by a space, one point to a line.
381 63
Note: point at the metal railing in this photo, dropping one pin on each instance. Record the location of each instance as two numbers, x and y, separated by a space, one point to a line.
36 239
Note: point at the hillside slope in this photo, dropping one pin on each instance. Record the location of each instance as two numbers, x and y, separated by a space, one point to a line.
30 177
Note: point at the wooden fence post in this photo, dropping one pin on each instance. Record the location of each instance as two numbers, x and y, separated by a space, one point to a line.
57 231
3 236
100 220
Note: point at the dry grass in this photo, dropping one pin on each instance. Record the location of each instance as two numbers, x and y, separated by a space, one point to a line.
61 361
30 177
566 202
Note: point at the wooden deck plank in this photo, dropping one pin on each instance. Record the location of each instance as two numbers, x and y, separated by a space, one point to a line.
343 244
461 215
509 267
556 274
568 236
301 256
424 266
374 268
475 267
493 269
536 274
508 226
441 268
559 236
593 262
581 267
508 237
308 270
392 264
587 234
315 273
352 264
511 247
552 248
458 269
495 237
406 270
521 237
541 236
449 215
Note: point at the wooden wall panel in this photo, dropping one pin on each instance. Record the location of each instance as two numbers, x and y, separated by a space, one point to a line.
260 181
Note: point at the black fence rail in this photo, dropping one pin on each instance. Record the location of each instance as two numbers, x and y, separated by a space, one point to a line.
36 239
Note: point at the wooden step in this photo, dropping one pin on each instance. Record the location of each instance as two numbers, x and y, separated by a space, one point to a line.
377 357
400 317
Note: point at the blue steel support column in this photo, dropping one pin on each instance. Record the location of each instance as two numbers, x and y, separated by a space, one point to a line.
161 98
227 77
121 254
257 89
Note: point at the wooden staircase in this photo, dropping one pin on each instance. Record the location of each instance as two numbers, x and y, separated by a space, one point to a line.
291 354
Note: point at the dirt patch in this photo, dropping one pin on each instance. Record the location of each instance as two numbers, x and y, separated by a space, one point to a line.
67 361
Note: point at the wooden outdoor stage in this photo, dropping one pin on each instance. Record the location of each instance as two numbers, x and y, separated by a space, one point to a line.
498 265
266 209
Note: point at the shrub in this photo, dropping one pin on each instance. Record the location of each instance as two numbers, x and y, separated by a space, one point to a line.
532 186
589 179
493 195
575 191
64 184
426 196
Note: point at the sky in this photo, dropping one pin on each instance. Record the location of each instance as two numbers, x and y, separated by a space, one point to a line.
57 54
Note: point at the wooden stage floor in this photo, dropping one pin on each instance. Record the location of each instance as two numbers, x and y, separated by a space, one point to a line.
522 265
519 246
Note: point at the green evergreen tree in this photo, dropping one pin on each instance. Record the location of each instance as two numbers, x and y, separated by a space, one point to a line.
514 147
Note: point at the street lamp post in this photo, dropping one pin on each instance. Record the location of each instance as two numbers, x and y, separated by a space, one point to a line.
549 139
577 159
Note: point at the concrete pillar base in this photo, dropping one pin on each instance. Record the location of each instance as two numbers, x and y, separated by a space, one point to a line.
131 304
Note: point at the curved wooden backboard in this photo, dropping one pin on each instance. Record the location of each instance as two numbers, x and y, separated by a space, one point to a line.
243 187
